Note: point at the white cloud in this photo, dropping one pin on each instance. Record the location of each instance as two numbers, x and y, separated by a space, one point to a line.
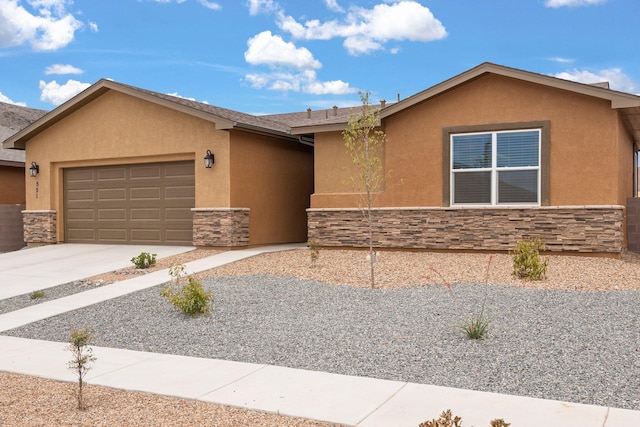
333 5
304 81
366 30
268 49
257 7
561 60
50 28
56 94
616 78
62 69
93 26
4 98
210 4
572 3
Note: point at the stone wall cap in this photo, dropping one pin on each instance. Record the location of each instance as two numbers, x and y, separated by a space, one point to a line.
468 207
218 209
39 211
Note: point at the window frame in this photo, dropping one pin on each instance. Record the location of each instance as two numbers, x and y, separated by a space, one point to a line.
543 162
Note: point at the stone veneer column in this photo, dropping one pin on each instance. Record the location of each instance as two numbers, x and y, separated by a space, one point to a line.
225 227
39 227
590 229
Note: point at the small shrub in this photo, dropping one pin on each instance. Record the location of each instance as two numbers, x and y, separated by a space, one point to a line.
82 358
191 298
526 260
476 327
448 420
37 295
314 251
144 260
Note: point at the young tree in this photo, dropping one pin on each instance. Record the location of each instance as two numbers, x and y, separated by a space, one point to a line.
82 358
365 144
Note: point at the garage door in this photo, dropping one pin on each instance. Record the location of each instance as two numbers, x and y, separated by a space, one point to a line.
134 204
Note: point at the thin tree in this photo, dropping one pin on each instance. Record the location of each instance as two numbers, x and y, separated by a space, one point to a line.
365 144
82 358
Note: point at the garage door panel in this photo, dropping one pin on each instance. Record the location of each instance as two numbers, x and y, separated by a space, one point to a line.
178 170
145 172
181 192
148 204
81 214
112 194
145 214
82 194
112 214
112 235
149 193
144 235
82 235
111 174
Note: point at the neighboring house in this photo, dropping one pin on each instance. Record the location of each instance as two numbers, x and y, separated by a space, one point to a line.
12 179
119 164
484 159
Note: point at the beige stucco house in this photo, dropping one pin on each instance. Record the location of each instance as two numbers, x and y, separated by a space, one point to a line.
478 162
484 159
119 164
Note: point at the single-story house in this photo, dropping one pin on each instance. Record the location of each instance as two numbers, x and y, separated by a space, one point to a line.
485 159
12 175
478 162
119 164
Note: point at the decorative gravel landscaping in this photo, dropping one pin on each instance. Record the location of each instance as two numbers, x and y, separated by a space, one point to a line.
574 336
555 344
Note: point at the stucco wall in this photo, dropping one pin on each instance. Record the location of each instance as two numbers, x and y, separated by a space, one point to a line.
586 148
12 185
275 179
120 129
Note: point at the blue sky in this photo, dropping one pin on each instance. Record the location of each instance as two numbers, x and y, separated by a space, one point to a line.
268 56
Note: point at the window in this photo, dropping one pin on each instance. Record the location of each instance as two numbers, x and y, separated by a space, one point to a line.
495 168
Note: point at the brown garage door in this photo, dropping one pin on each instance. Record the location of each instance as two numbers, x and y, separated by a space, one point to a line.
136 204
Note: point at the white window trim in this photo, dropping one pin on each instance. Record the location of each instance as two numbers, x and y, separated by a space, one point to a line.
494 169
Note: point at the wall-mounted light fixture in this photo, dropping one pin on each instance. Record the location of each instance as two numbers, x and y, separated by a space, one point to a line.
34 170
208 159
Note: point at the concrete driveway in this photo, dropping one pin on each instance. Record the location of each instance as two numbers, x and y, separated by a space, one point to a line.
32 269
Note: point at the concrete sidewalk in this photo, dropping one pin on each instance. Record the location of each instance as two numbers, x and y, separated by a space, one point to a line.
347 400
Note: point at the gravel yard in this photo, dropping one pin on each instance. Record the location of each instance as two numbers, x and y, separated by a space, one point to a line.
574 336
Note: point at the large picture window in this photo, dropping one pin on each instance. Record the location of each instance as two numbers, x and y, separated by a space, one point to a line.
495 168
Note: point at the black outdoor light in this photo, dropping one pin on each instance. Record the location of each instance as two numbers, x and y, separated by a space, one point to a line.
34 170
208 159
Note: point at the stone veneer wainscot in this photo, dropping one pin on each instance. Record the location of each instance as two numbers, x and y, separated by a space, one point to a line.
590 229
39 226
225 227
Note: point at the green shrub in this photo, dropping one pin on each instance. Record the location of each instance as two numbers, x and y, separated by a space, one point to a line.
476 326
191 298
144 260
527 263
448 420
37 295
